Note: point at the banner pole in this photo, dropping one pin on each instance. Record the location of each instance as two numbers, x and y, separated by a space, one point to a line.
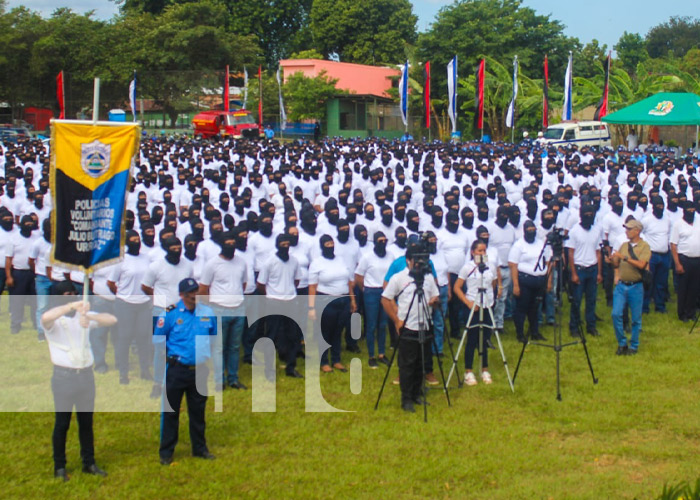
96 102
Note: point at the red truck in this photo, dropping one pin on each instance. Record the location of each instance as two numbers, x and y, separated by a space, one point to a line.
236 124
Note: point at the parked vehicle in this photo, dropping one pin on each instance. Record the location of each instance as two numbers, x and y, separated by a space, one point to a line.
237 124
584 133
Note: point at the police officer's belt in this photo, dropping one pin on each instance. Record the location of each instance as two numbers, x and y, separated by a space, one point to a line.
176 362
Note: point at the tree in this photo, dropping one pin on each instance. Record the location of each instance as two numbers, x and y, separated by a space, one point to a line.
270 91
500 28
676 36
587 60
307 54
368 32
305 98
631 50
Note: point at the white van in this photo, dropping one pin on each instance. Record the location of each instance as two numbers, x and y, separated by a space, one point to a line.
581 134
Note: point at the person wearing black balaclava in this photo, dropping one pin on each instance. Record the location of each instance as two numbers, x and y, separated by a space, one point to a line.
657 232
132 307
224 279
685 248
348 252
361 237
19 276
262 243
585 265
412 221
369 277
529 273
398 247
502 236
148 236
278 281
161 282
39 254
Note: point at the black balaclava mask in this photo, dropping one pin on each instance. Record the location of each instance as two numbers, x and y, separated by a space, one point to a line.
380 244
467 218
482 212
6 222
327 252
547 219
308 222
632 201
282 245
587 217
529 231
412 220
657 204
228 247
689 212
172 253
191 243
132 247
293 239
483 234
436 217
26 225
532 207
501 216
387 216
360 233
400 238
265 227
643 202
343 231
452 222
369 212
514 216
241 240
617 206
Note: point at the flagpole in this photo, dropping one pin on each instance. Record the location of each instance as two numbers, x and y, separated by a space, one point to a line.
95 118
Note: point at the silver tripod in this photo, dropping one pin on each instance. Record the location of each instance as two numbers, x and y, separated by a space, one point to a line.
481 325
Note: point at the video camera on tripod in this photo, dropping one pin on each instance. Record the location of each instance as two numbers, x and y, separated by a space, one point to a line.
419 253
555 239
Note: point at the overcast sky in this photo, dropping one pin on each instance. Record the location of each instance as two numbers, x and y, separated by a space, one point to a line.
604 20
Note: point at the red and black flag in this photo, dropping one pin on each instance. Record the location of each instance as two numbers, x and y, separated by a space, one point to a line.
426 93
602 109
260 102
60 96
479 97
545 100
227 97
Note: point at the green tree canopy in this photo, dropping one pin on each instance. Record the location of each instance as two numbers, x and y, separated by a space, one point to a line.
367 32
305 98
631 50
676 36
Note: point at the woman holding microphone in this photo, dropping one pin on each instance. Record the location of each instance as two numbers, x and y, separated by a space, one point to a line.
528 271
477 273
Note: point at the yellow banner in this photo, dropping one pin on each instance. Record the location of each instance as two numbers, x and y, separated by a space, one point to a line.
92 154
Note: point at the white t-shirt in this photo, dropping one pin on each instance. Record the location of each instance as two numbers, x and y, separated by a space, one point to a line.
373 268
279 276
127 276
330 276
19 248
164 278
657 232
527 257
69 344
39 251
585 244
401 287
473 278
686 237
225 279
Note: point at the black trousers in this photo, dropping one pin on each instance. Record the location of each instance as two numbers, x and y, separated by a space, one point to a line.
473 340
73 389
688 287
134 325
182 381
410 369
286 335
532 288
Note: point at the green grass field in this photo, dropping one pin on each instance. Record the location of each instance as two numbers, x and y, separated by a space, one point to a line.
625 437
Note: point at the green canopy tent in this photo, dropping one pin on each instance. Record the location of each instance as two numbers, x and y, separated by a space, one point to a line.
665 108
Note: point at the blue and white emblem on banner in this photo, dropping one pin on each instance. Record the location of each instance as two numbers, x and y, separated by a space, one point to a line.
94 158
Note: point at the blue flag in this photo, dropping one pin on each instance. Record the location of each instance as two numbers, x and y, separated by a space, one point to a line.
403 91
567 113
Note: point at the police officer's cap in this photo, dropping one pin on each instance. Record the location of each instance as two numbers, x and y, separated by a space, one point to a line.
188 285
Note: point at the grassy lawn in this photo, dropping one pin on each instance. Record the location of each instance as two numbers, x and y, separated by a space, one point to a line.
637 429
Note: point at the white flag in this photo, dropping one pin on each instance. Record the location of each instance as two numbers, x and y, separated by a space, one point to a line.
510 117
283 115
245 87
132 96
403 94
452 92
567 111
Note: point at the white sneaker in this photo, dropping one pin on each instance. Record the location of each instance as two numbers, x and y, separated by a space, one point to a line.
486 377
469 378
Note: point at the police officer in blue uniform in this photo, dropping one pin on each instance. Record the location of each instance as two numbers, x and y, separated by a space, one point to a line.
187 328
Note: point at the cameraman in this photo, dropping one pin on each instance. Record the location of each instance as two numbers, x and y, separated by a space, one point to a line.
401 288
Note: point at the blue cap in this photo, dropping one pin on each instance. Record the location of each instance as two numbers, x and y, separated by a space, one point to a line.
188 285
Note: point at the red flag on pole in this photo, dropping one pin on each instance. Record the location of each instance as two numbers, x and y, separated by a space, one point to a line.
227 97
545 100
260 100
602 108
479 98
426 93
60 96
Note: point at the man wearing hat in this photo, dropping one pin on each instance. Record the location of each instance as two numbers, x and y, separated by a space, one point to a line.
629 261
186 327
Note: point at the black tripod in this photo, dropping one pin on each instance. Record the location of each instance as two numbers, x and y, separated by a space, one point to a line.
424 336
558 343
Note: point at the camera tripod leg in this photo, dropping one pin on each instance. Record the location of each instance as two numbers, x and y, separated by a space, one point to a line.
522 353
455 356
421 341
452 352
442 374
697 317
503 354
588 358
388 369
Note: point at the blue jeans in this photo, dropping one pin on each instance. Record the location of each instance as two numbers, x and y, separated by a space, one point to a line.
439 316
659 266
547 304
588 286
375 319
632 296
227 346
43 289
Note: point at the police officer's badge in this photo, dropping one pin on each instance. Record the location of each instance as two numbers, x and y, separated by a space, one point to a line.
94 158
179 321
161 322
